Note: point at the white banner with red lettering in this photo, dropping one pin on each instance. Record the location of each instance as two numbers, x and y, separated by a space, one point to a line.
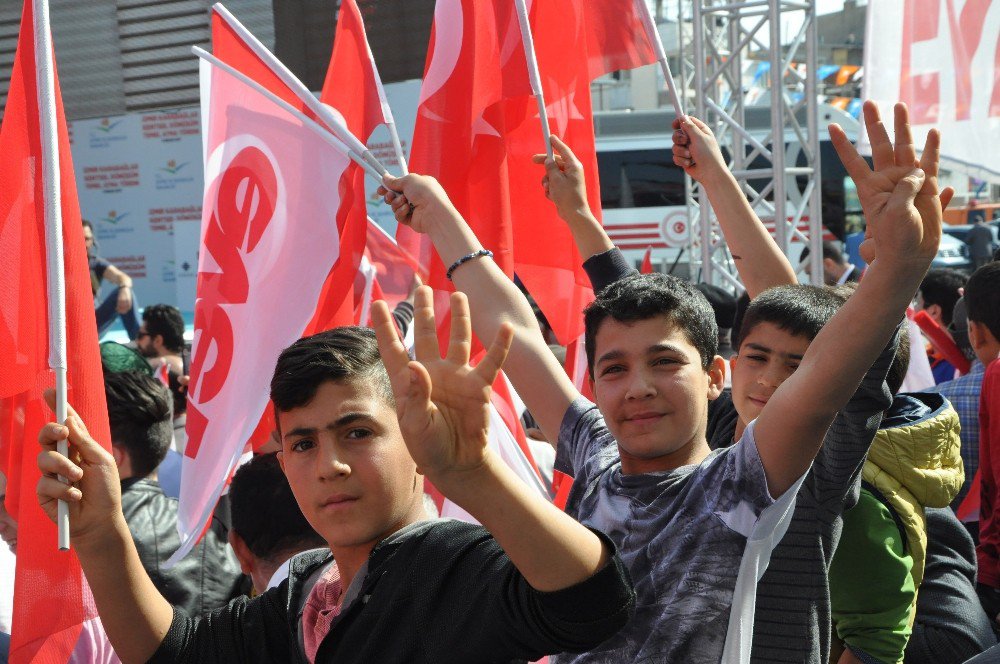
942 58
268 240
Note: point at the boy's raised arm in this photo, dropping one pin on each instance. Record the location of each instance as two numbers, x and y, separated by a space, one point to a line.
903 210
443 410
758 258
134 614
760 261
535 372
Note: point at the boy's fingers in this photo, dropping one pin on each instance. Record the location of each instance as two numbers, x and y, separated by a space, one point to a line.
946 195
691 120
930 158
390 347
425 341
392 183
907 188
460 341
489 367
539 158
52 463
905 152
418 399
50 398
49 488
883 154
854 163
51 434
569 160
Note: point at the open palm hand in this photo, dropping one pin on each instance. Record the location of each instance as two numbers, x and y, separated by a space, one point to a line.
442 402
899 195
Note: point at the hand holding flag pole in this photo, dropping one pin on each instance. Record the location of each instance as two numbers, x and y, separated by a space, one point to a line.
53 232
320 130
533 75
322 111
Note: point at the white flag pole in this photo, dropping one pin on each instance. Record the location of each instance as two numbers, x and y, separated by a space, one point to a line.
533 76
55 270
311 124
654 38
322 111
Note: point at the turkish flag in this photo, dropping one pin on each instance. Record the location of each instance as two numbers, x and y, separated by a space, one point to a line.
478 126
352 84
51 597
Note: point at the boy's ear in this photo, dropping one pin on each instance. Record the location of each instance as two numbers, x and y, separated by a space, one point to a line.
934 311
716 377
732 363
242 552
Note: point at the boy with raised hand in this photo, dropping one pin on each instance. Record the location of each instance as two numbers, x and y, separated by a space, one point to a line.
393 587
694 527
793 613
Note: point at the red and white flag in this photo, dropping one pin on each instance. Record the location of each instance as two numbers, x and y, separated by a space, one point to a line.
477 127
603 37
51 597
353 85
269 236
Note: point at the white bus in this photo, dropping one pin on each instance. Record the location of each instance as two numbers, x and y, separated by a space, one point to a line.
642 191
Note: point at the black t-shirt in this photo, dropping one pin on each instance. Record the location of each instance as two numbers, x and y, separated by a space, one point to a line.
97 267
722 419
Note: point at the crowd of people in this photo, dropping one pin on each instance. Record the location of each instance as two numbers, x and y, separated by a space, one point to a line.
756 479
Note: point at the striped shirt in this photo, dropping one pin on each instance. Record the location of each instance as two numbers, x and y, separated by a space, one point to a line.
792 618
963 393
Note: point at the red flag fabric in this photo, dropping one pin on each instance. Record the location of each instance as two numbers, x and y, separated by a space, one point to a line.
603 37
474 62
477 127
51 598
647 262
352 84
391 272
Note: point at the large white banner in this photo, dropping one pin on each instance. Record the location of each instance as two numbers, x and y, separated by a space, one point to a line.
942 58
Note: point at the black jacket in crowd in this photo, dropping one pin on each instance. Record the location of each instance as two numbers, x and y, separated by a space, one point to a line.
206 579
437 591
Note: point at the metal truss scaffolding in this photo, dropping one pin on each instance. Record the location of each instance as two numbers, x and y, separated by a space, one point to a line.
779 169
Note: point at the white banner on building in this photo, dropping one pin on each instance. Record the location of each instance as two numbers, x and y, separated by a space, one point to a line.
941 57
140 183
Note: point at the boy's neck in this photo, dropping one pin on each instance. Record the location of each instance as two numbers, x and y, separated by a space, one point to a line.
692 453
350 559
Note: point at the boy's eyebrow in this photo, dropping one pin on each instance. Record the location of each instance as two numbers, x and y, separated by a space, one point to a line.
765 349
343 420
655 348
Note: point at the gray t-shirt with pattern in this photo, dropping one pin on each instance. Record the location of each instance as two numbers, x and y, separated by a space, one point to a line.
680 533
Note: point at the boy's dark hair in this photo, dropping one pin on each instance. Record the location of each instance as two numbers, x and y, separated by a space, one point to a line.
87 224
344 354
799 310
140 418
644 296
831 250
166 321
941 287
982 297
900 363
264 512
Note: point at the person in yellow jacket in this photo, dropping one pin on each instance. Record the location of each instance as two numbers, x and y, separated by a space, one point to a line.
914 463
